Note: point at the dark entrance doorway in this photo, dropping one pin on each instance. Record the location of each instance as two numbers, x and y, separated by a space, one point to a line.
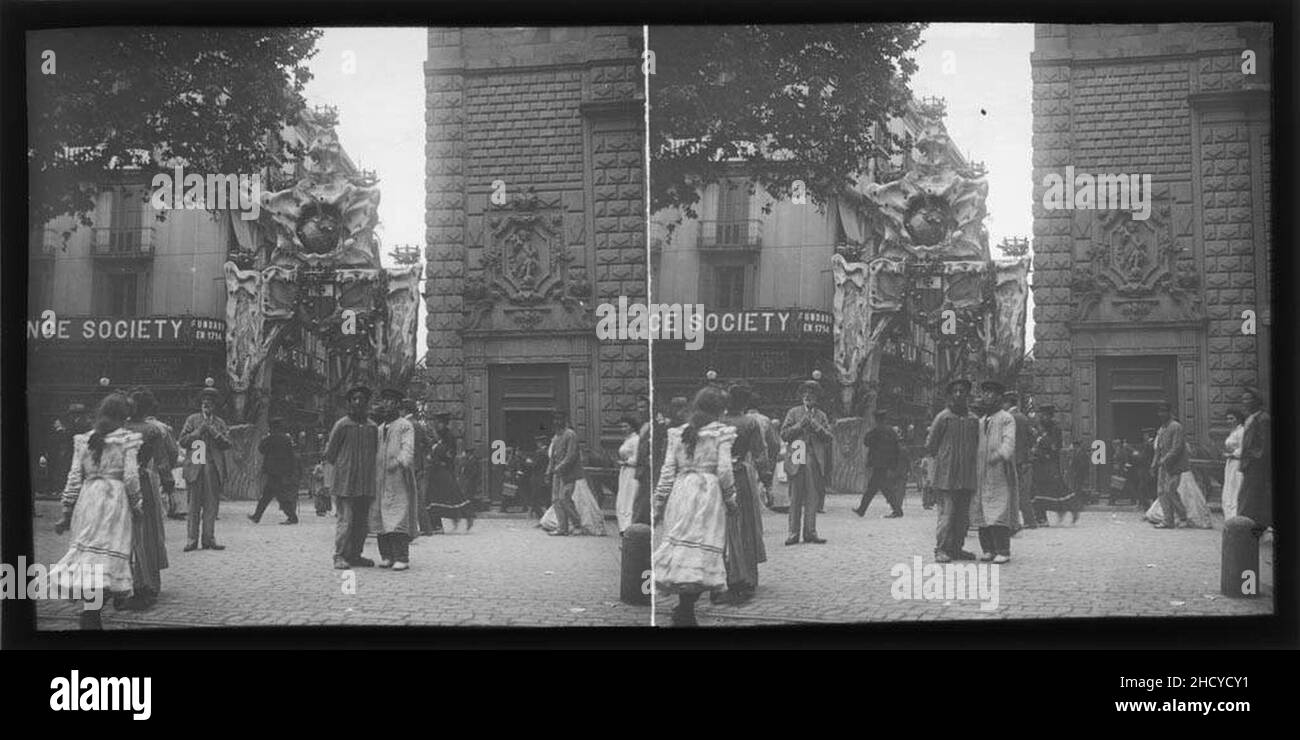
520 401
1128 389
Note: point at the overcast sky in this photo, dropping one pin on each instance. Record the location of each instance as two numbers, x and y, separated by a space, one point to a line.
982 70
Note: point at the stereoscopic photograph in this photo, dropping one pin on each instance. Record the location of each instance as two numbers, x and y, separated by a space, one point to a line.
634 326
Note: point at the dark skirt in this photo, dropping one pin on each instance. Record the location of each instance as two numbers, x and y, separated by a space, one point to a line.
148 542
1048 483
1255 500
745 548
446 501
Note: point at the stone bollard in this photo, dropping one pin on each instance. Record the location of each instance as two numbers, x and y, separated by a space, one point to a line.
1239 578
634 588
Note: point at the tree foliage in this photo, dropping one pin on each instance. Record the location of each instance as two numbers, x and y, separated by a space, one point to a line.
209 99
793 102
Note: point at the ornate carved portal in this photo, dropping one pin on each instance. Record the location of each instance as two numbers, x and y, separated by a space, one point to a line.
320 270
526 272
1132 270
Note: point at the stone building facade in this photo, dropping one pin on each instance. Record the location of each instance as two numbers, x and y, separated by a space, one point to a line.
1130 311
535 213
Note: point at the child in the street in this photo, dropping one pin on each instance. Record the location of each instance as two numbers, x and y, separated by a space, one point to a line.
320 486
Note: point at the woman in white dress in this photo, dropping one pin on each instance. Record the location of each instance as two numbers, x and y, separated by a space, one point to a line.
624 502
101 497
696 490
1232 463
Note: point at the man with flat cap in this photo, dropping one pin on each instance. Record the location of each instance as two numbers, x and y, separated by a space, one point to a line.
280 473
1168 466
993 507
807 432
353 449
1256 497
952 442
203 438
564 467
393 516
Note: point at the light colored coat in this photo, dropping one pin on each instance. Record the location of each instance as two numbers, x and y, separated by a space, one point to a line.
395 507
994 502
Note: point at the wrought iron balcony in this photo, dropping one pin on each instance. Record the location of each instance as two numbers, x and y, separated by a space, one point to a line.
740 236
124 243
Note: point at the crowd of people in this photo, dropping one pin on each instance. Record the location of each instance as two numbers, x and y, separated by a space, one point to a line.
986 465
701 470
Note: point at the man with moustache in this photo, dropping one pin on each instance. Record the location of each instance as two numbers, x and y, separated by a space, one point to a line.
952 443
203 437
353 449
807 432
394 514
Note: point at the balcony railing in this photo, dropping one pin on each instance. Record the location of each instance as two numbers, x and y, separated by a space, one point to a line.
740 236
124 242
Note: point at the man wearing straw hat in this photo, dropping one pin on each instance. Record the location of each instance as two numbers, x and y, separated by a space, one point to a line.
807 431
203 438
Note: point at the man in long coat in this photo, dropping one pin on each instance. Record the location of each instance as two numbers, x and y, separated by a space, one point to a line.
204 437
394 514
993 507
1256 497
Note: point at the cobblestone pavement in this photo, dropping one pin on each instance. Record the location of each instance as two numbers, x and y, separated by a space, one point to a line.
1110 564
505 572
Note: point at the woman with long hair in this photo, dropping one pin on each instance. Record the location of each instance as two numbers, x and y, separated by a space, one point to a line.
100 499
696 491
1232 462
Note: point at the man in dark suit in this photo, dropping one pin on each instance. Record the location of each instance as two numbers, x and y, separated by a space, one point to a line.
1256 497
884 464
807 432
204 437
280 470
563 469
